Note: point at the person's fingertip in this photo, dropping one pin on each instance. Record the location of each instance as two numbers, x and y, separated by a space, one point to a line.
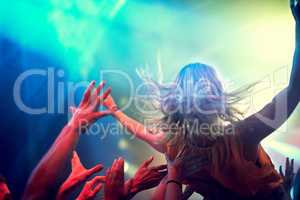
98 188
151 158
122 161
107 93
99 167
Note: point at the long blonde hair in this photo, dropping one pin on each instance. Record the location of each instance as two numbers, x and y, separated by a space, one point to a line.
196 97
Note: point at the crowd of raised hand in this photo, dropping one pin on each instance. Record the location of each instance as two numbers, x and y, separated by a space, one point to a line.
47 180
44 181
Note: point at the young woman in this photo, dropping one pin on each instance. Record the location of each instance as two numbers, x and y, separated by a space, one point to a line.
199 121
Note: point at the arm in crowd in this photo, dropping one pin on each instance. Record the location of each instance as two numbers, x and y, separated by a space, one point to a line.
135 127
145 178
78 175
43 179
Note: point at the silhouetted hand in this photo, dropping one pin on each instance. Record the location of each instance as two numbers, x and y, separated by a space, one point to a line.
78 175
288 175
146 177
295 7
296 189
87 112
91 188
114 183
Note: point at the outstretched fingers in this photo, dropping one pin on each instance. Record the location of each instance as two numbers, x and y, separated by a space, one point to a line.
87 94
100 179
118 171
96 183
105 95
292 166
280 171
94 170
94 98
147 162
97 188
287 165
100 87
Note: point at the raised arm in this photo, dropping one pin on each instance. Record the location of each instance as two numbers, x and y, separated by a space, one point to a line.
135 127
261 124
45 176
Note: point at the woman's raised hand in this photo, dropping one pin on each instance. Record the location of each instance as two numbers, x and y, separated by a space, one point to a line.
87 111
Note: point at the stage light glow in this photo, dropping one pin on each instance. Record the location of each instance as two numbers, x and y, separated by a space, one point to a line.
285 149
246 41
123 144
116 8
129 168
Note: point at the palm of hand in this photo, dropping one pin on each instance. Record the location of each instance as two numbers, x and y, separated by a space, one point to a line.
79 172
87 112
78 175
